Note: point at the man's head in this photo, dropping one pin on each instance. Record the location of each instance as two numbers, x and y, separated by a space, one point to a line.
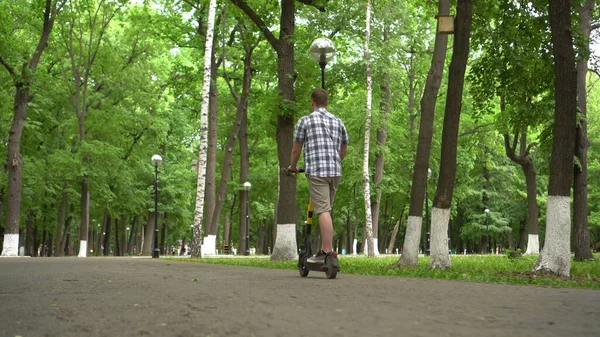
319 98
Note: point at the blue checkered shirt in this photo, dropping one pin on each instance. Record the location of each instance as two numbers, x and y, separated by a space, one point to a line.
323 135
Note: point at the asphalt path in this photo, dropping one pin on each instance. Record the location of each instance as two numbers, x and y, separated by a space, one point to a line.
145 297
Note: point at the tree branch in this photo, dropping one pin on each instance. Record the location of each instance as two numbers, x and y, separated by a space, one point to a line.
10 69
595 26
259 22
312 3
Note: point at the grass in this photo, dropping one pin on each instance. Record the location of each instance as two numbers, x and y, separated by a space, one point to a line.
472 268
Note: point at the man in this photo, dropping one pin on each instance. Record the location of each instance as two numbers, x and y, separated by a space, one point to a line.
325 143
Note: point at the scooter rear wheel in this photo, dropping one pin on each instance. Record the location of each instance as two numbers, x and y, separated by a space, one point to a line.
331 264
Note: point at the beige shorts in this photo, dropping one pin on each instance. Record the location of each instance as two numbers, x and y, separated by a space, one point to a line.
322 192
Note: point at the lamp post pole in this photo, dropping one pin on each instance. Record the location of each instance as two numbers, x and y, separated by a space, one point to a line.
247 187
156 160
322 63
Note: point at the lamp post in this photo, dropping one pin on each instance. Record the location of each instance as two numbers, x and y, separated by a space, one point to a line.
247 187
322 51
427 222
156 161
487 233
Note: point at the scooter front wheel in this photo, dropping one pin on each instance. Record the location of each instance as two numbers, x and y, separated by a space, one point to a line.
302 267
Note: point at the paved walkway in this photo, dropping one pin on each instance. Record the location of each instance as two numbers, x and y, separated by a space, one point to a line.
145 297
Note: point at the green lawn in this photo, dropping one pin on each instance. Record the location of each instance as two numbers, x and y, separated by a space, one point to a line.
473 268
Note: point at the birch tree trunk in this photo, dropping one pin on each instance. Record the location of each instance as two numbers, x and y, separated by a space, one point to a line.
582 247
368 240
410 248
22 81
556 254
440 213
196 249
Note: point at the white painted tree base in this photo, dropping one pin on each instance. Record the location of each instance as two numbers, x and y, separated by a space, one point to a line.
410 250
285 243
354 245
209 247
440 258
533 244
11 245
375 244
556 254
82 248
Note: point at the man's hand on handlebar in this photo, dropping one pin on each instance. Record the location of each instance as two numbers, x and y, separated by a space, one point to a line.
293 169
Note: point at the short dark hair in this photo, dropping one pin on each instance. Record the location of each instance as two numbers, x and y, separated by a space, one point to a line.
319 96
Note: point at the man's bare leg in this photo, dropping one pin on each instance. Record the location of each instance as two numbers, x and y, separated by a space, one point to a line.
326 226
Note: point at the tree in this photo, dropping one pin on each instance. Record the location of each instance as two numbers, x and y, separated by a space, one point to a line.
580 182
410 248
22 80
526 162
366 174
556 254
285 242
440 213
199 210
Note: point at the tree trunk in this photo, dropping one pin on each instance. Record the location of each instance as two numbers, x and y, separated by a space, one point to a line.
368 240
242 107
29 238
65 242
163 233
148 236
380 154
410 248
440 213
582 247
244 169
526 163
123 236
132 234
286 247
85 218
556 255
22 83
106 234
59 226
211 165
196 248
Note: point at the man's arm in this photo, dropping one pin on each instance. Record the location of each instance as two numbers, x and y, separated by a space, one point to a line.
296 150
343 150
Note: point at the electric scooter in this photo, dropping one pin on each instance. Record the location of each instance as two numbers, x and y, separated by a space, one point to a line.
331 264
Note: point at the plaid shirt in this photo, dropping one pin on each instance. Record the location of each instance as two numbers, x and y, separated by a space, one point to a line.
322 134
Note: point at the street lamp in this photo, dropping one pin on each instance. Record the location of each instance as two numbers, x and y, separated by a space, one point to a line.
322 51
427 222
247 187
156 161
487 233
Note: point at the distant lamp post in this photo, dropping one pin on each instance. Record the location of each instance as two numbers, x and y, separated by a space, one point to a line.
427 222
156 161
322 51
487 233
247 187
445 24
